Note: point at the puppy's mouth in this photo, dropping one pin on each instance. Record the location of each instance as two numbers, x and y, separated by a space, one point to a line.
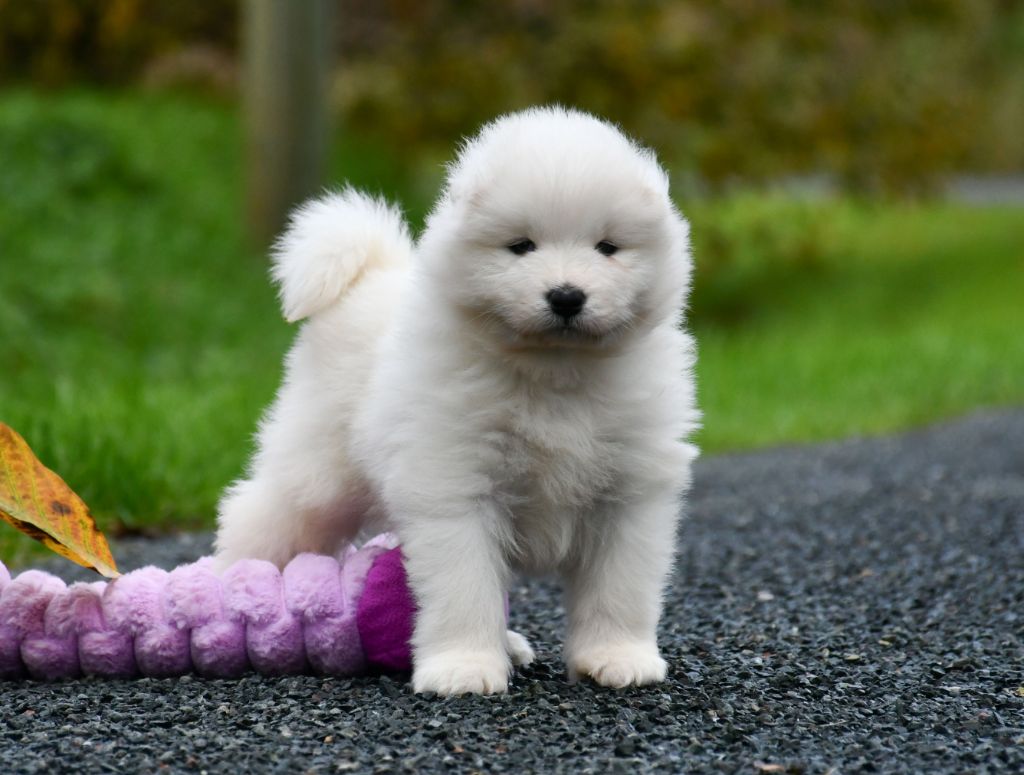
583 332
546 331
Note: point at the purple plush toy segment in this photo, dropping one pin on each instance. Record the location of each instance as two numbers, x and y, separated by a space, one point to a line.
154 623
386 612
273 636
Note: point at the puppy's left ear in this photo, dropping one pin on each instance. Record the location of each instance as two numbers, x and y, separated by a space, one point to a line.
655 177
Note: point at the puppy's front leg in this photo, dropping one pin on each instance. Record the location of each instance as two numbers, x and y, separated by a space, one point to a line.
614 593
459 577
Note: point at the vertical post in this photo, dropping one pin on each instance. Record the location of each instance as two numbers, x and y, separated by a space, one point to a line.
286 49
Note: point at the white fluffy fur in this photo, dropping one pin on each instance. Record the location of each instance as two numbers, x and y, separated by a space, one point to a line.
440 396
329 243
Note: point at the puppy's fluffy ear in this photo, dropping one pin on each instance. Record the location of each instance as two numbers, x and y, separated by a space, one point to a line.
329 243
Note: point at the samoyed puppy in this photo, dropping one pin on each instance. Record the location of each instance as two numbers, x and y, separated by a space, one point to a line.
511 394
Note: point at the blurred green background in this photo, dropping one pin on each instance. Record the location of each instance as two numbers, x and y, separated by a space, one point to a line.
853 171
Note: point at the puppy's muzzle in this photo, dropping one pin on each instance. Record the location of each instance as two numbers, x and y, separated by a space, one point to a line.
566 301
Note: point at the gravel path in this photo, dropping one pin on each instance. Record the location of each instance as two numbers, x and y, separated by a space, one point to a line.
853 607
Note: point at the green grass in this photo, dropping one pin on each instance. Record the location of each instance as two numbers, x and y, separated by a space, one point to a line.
140 339
899 315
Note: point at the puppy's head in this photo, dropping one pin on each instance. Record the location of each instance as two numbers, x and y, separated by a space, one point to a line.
556 230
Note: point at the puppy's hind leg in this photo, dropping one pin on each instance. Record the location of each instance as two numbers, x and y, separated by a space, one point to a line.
302 493
257 520
340 257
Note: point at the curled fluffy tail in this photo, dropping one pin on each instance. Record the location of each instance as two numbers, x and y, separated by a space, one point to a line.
329 243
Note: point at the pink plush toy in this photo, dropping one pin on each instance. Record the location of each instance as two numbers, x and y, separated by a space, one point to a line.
318 615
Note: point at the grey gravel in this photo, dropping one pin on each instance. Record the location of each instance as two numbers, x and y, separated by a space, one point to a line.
852 607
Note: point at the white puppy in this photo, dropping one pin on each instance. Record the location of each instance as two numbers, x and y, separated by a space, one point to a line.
512 394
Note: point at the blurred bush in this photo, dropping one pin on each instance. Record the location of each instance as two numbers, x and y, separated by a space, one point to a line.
877 94
57 42
880 93
748 245
62 159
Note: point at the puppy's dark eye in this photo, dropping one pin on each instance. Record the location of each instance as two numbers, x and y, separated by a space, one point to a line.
606 248
522 246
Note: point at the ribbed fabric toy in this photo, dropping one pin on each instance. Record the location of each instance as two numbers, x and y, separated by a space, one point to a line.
318 615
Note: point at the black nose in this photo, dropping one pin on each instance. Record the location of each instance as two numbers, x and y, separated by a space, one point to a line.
566 302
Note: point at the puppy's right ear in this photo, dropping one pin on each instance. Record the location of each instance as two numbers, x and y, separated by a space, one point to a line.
463 184
467 194
458 192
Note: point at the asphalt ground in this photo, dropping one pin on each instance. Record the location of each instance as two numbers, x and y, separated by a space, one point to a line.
850 607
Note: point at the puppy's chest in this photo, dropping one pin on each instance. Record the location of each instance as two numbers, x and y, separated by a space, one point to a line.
555 459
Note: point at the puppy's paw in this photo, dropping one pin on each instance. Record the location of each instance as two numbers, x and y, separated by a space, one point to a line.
618 664
519 649
461 671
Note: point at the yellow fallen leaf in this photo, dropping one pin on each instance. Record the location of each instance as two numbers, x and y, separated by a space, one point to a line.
40 504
